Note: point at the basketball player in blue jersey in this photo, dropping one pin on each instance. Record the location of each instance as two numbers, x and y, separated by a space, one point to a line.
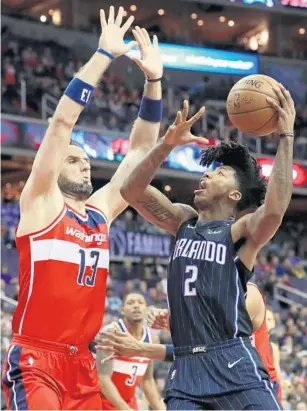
215 365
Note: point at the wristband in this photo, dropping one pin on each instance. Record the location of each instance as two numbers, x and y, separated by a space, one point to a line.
105 53
286 135
151 110
79 91
153 80
169 355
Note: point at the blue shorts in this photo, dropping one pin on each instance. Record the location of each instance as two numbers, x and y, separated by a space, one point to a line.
227 375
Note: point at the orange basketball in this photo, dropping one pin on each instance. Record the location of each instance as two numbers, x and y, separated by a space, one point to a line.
248 108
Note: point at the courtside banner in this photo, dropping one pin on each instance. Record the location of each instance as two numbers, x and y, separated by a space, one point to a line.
135 243
202 59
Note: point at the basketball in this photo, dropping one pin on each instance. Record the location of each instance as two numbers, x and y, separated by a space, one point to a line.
247 105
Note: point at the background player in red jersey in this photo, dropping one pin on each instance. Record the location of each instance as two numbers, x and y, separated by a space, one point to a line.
121 376
62 239
271 324
255 304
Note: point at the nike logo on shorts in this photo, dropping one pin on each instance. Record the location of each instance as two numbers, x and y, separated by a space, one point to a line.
93 365
232 364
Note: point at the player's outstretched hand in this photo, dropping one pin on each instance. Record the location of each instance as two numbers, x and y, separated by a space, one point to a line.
118 343
113 32
179 133
158 319
286 110
151 61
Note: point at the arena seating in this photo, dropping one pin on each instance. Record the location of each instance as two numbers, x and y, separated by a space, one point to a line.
46 68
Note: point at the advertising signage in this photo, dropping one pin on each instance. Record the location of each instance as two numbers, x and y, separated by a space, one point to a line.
111 147
274 3
202 59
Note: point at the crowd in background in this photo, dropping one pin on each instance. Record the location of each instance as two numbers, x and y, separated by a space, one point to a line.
47 68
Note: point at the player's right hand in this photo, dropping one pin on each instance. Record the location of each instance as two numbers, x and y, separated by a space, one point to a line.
158 319
179 133
113 32
286 110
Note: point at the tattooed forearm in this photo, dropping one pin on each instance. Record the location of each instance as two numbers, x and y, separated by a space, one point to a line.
157 210
279 189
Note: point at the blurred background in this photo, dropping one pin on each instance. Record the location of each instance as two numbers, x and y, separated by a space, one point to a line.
206 47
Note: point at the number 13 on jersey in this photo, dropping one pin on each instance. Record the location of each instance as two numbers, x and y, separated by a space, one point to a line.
88 280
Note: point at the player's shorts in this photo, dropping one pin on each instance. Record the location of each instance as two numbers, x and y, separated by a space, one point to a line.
225 375
42 375
106 405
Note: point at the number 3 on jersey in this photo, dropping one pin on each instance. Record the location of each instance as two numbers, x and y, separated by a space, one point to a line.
89 279
131 380
189 283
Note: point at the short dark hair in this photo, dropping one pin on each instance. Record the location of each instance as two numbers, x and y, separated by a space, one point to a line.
251 185
133 292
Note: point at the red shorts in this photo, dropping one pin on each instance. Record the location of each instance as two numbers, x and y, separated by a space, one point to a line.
42 375
106 405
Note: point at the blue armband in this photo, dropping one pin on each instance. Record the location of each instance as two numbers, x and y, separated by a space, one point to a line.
151 110
169 355
79 91
105 53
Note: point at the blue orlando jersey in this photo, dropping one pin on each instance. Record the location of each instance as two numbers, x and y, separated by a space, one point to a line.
206 286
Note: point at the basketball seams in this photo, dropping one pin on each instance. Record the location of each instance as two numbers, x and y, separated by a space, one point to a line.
253 91
253 131
264 78
251 111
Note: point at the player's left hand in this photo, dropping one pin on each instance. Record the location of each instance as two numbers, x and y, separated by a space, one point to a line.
286 110
151 61
118 344
179 133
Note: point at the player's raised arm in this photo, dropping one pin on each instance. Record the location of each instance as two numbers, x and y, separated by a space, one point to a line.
145 130
50 156
148 201
261 226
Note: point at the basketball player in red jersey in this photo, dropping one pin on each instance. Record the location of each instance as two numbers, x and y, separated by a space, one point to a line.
255 304
121 376
158 318
62 240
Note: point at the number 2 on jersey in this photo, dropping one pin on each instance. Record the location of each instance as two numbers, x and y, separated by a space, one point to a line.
89 279
189 287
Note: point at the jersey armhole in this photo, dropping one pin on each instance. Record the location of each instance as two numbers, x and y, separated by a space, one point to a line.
44 230
98 210
185 223
264 301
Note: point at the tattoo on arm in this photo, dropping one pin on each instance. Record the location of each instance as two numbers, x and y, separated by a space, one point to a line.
157 210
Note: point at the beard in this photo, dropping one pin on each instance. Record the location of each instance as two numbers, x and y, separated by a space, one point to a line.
78 191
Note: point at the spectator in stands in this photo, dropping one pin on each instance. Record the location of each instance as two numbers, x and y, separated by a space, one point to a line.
113 302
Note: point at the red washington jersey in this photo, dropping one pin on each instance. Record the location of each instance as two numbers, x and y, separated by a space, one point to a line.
63 270
260 339
127 373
